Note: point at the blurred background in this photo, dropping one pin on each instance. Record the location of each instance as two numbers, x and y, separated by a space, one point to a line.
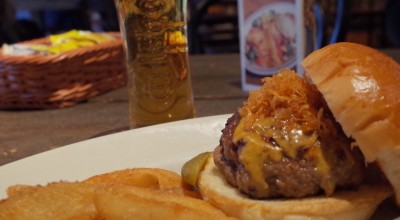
213 24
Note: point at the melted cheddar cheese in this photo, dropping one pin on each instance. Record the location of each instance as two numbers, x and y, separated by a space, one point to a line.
282 120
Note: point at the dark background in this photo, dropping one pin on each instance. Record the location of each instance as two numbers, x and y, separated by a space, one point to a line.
212 24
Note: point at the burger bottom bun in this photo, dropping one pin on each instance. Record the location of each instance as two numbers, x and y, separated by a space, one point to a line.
360 204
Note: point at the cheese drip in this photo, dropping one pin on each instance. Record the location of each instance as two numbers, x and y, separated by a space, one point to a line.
285 119
264 142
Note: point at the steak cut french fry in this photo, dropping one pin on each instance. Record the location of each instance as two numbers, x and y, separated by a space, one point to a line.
139 193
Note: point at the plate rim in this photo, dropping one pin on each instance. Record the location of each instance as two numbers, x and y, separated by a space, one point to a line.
10 173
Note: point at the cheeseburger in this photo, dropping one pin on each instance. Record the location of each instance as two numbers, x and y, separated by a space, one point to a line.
305 147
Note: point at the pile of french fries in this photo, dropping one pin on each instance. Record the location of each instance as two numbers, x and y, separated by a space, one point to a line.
138 193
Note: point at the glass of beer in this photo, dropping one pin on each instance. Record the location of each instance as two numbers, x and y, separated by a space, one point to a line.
155 44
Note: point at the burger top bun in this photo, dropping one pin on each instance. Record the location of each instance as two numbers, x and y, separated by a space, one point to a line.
345 205
362 88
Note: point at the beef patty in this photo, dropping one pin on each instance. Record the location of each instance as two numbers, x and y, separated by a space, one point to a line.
273 158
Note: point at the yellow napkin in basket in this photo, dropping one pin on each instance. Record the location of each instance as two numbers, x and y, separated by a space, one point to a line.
59 43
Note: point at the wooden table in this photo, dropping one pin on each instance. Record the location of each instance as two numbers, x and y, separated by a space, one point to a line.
216 87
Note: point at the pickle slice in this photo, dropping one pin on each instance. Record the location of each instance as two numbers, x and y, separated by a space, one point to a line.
191 169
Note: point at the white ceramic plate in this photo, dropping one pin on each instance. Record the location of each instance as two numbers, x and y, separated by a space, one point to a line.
280 8
165 146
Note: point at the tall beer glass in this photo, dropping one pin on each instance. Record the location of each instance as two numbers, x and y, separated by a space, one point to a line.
155 44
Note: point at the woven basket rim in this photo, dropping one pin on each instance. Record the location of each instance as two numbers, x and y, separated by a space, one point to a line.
43 58
60 80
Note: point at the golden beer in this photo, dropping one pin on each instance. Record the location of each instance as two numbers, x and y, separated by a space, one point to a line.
155 44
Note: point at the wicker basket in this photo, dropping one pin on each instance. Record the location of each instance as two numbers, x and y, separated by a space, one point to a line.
60 80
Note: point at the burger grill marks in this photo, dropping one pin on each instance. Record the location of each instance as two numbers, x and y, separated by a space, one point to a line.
284 142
